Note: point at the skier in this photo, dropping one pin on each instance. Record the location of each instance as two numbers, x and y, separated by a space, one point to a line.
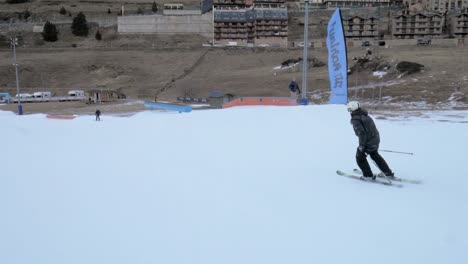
294 88
369 140
98 114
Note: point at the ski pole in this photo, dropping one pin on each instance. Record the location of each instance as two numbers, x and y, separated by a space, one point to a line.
408 153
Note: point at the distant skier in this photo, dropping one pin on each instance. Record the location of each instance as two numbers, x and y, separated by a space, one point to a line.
294 88
98 114
369 140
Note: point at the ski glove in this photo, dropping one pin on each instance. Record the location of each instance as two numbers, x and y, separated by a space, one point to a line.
361 149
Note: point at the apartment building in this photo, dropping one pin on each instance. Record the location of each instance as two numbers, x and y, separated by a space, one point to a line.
438 5
313 4
459 24
271 23
409 26
447 5
251 23
355 3
360 27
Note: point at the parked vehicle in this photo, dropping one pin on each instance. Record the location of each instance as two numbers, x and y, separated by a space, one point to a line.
366 44
24 95
42 95
301 44
231 44
424 42
76 93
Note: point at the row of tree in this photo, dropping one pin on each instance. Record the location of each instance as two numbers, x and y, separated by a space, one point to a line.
79 27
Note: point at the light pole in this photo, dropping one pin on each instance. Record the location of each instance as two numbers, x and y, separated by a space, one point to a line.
14 43
305 60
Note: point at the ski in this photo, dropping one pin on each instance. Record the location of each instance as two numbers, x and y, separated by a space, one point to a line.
380 175
356 177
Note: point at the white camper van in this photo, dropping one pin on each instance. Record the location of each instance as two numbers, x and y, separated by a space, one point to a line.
42 95
76 93
24 95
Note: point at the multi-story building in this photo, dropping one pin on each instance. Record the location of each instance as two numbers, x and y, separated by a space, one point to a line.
313 4
356 3
271 23
459 27
439 5
424 3
447 5
247 22
417 26
360 27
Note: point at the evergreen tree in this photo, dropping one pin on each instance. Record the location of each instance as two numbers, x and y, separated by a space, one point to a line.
154 7
26 14
50 32
16 1
140 11
63 11
79 25
108 11
98 35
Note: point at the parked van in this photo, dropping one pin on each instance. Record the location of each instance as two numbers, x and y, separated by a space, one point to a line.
42 95
24 95
76 93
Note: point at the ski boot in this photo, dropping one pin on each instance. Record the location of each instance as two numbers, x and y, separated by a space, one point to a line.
390 175
368 178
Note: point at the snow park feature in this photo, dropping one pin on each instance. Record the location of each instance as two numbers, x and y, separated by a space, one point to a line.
61 117
252 101
230 186
5 98
168 107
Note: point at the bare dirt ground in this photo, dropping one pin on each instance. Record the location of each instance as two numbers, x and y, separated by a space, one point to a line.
145 66
143 74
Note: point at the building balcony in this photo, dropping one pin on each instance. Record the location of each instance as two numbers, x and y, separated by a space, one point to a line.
229 2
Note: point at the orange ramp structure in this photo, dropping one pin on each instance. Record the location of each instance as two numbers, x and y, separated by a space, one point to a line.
278 101
61 117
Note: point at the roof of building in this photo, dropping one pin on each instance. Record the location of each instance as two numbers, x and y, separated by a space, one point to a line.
419 13
218 94
360 16
251 14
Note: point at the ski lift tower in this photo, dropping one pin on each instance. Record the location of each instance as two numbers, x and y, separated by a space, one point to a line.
305 61
14 43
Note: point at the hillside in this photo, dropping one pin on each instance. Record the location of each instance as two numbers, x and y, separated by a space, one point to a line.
229 186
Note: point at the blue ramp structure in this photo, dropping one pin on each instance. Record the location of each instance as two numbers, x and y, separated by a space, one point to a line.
6 96
169 107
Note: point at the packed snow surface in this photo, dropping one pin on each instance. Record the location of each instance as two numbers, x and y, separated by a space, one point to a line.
244 185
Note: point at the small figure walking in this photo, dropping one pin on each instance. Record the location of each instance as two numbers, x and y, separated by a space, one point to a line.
98 114
369 140
294 88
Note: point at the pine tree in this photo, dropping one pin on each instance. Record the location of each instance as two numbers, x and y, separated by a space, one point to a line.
79 25
98 35
26 14
154 7
108 11
140 11
50 32
16 1
63 11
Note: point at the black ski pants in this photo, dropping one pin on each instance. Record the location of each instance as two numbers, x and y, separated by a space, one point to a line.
361 159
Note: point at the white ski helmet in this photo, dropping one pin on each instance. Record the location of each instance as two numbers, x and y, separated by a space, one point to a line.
353 105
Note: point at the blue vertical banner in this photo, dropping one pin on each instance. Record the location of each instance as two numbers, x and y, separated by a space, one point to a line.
337 60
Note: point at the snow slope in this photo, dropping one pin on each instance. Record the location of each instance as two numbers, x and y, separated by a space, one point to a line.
241 185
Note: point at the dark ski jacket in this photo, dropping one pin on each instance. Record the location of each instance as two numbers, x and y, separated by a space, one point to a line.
365 130
294 87
98 113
